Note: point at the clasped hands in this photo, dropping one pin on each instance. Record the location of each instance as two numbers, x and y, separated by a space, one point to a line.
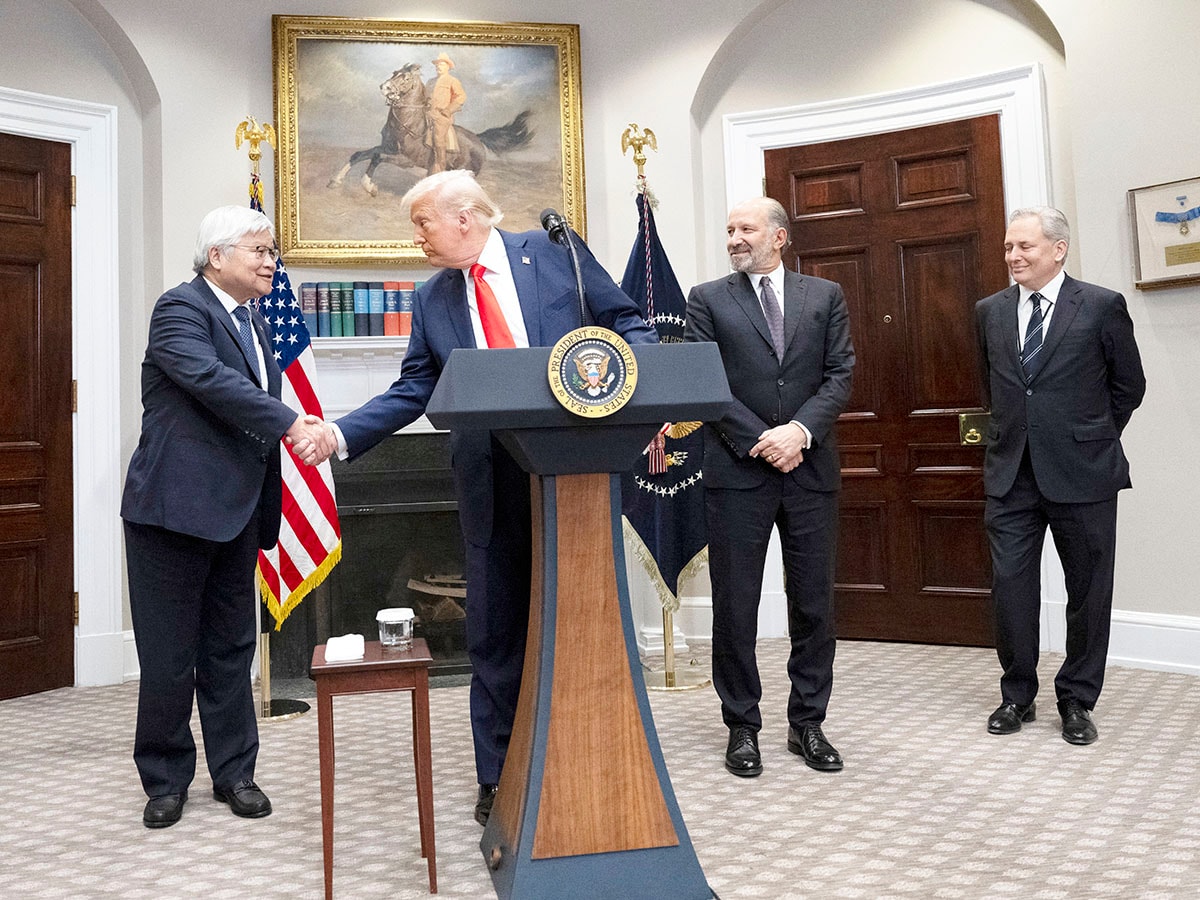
782 446
311 439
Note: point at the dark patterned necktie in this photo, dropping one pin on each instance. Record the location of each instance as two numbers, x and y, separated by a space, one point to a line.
247 338
773 313
1034 332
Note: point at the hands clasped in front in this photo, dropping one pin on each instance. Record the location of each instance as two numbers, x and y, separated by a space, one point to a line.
781 446
311 439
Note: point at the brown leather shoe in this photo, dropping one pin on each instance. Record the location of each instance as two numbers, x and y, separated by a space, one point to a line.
1008 717
808 741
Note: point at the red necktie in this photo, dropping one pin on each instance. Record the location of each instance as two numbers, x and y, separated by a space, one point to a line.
495 328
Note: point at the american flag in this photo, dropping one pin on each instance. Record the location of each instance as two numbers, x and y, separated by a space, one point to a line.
310 538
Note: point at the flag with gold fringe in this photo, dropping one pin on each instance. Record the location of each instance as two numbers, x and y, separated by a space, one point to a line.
663 496
310 536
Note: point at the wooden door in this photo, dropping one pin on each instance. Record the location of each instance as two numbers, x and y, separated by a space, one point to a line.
911 224
36 540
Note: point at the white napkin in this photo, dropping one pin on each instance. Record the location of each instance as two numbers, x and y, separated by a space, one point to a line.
348 646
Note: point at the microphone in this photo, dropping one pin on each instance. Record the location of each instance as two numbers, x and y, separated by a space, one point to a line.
560 233
554 224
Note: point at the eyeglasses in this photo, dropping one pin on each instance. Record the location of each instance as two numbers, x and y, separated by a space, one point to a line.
260 252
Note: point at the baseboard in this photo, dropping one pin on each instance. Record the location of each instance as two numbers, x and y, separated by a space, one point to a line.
98 659
132 668
1140 640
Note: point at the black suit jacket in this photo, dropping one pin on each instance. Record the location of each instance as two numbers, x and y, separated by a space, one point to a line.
811 384
209 448
1072 411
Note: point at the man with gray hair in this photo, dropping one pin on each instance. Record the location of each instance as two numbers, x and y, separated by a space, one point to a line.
202 496
1062 375
772 461
495 289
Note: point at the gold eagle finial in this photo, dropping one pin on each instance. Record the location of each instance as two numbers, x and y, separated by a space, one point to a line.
251 131
638 138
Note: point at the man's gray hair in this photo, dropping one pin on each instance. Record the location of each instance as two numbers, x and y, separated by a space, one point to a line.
224 227
454 191
1054 223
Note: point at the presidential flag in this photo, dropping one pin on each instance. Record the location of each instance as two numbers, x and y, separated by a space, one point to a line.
310 537
663 496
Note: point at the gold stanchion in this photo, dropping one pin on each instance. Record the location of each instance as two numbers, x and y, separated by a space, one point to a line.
669 679
268 708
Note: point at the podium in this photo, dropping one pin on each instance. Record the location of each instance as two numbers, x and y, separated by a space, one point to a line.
585 806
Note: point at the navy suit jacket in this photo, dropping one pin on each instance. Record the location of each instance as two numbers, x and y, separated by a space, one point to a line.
209 448
811 384
441 322
1072 411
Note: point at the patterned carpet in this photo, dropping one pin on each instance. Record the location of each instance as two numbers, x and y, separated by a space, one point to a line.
929 804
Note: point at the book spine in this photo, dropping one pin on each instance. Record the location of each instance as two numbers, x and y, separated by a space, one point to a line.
391 307
347 309
375 308
407 289
362 308
335 309
323 309
308 306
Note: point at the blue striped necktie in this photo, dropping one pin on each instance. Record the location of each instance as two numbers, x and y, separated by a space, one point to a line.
1034 332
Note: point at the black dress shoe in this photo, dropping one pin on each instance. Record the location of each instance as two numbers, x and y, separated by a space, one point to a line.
245 799
818 753
1078 727
163 811
1008 717
483 806
741 755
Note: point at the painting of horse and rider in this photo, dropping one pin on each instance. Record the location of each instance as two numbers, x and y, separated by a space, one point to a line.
372 117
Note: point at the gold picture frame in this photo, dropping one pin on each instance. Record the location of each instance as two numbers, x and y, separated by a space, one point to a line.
1165 219
356 89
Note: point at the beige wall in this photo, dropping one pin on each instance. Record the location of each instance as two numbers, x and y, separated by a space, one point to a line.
183 74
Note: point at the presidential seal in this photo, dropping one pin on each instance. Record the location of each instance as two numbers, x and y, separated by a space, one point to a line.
592 372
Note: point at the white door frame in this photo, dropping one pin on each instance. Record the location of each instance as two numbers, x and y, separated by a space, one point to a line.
91 130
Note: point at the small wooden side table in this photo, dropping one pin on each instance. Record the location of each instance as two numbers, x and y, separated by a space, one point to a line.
379 670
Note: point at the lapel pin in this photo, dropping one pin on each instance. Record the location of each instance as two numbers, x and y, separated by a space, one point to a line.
525 260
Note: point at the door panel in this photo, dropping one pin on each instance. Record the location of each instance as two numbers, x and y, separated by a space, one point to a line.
911 224
36 539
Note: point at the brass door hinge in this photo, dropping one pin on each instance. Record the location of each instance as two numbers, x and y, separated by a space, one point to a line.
74 396
76 597
72 190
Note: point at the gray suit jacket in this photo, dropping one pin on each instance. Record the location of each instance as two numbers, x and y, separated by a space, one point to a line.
810 384
1072 411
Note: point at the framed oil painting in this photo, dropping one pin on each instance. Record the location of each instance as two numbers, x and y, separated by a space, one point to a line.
365 108
1166 233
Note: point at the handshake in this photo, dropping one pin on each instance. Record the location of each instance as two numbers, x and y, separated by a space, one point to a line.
312 440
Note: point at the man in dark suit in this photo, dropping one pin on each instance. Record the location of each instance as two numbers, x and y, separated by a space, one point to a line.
496 289
202 495
1061 375
772 461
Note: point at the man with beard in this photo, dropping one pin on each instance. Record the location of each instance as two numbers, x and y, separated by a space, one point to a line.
772 461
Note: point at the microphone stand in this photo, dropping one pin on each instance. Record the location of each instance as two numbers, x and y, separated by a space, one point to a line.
569 241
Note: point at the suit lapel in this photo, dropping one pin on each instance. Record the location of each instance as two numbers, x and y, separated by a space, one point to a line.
795 292
746 297
1010 334
217 311
454 291
523 265
1070 298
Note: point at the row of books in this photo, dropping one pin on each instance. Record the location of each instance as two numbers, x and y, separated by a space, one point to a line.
357 308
